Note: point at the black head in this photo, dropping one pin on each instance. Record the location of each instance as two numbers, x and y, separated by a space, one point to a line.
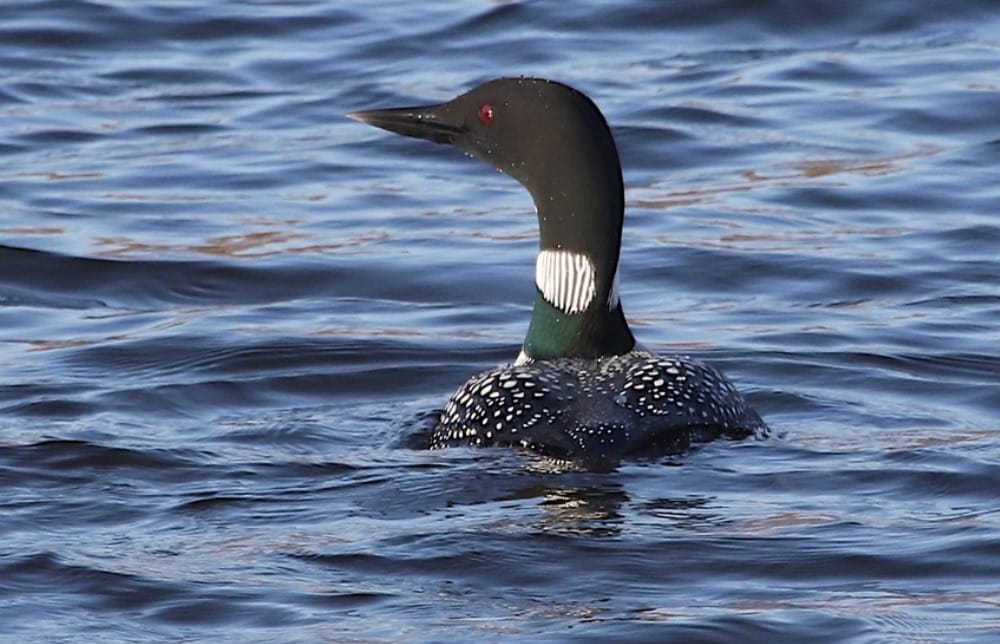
541 132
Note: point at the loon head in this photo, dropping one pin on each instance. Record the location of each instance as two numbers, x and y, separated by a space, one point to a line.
538 131
555 141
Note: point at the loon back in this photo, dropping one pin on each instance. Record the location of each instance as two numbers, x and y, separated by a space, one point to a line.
597 411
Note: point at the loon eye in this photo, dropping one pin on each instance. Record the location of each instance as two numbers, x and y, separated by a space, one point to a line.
486 113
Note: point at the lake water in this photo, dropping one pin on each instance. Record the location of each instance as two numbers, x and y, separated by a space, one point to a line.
228 313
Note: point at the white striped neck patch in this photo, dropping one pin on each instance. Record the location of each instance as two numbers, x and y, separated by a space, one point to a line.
567 280
613 298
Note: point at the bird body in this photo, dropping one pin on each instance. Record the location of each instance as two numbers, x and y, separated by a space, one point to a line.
580 389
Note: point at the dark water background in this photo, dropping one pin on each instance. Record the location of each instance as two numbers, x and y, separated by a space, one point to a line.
226 311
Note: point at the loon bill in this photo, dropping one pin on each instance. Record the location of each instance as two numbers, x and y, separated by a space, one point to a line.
580 390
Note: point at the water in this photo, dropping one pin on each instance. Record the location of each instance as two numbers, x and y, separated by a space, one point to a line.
227 313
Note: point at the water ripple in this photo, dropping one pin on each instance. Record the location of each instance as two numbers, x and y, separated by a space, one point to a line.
229 315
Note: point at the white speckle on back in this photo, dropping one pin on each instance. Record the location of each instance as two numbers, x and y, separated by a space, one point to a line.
606 407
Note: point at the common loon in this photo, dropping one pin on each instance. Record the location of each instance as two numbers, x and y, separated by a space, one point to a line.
581 389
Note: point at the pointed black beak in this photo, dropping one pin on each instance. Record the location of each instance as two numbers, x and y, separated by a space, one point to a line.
427 122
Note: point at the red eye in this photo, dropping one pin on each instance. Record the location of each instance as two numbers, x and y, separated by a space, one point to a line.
486 113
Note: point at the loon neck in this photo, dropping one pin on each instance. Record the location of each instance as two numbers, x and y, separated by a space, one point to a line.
577 311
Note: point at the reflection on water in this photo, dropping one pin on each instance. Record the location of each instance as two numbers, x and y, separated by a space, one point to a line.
251 245
594 511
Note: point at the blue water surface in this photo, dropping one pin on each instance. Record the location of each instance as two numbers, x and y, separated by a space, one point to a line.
228 314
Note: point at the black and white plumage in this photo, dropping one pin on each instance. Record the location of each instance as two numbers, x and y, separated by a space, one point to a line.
596 411
580 390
